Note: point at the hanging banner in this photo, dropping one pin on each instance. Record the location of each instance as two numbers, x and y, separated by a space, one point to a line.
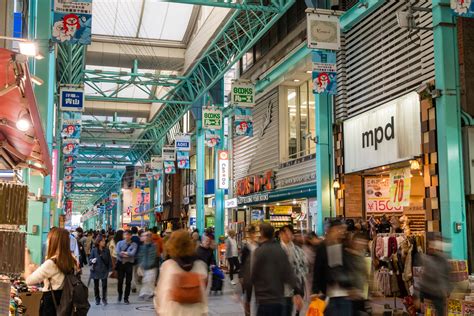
242 94
211 119
400 187
54 172
464 8
140 204
243 122
71 99
157 175
168 153
70 147
68 207
183 159
223 162
169 167
182 142
71 129
156 163
324 72
377 195
212 138
69 161
323 31
72 22
68 171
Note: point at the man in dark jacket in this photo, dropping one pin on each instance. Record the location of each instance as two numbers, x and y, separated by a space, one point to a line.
331 275
205 252
271 270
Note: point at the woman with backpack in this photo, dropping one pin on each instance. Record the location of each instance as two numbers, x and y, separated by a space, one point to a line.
101 263
59 262
181 289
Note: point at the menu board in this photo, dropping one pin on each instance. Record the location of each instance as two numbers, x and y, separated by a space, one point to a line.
377 196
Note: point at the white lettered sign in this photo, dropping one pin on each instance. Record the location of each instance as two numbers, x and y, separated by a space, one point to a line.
223 169
387 134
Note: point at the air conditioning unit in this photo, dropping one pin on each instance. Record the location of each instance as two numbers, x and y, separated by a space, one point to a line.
468 152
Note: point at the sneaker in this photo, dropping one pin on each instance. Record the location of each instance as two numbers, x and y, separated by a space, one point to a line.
233 282
104 301
119 298
134 290
126 301
97 302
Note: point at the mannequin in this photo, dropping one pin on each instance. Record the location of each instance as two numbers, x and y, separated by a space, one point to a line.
405 224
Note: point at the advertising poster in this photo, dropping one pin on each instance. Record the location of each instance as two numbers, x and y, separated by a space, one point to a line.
324 72
156 163
183 142
140 204
212 138
71 129
68 171
168 153
257 215
464 8
69 161
377 196
243 122
400 187
183 159
70 147
72 22
169 167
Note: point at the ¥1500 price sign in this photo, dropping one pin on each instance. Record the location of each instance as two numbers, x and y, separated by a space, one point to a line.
377 195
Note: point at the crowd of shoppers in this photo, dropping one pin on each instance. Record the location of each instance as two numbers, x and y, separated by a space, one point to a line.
279 275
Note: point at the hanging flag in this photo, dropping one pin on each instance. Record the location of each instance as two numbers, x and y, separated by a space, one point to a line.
464 8
69 161
70 147
72 21
212 138
71 129
243 122
324 72
183 159
169 167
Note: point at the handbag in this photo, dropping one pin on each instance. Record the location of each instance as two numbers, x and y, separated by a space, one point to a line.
316 307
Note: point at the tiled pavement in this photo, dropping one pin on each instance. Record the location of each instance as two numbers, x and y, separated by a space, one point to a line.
225 304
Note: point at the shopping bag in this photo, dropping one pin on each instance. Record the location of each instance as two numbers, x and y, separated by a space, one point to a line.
316 307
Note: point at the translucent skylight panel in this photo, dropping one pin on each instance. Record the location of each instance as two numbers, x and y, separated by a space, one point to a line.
116 17
133 92
165 21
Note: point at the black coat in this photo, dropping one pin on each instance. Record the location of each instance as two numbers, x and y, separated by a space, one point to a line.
206 255
101 268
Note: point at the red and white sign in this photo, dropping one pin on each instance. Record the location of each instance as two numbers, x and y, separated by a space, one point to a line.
400 186
54 173
68 209
377 196
223 157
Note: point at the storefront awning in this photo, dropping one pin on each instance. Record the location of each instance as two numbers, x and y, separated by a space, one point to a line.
301 191
20 149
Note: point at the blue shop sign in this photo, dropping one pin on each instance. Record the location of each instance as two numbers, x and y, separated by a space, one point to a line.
72 99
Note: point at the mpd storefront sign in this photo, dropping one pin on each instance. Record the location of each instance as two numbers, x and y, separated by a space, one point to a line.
387 134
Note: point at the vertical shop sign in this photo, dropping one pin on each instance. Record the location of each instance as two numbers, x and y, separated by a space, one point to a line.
54 173
323 31
377 195
72 22
183 159
464 8
400 186
183 142
243 122
223 164
211 119
242 94
68 208
324 72
71 99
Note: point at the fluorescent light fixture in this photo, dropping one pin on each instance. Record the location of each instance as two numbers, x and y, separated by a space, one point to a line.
36 80
296 80
294 202
309 71
336 184
39 56
28 49
7 89
24 122
291 95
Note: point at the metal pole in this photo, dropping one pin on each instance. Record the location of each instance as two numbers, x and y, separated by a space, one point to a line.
200 175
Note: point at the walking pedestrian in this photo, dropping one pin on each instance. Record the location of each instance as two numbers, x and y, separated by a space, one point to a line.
232 255
271 270
298 263
59 262
205 252
181 289
113 253
101 263
245 274
136 278
126 251
147 263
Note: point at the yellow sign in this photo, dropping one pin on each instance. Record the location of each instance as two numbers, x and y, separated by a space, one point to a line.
282 210
400 187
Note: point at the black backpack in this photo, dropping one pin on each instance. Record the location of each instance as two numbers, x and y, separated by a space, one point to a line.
74 299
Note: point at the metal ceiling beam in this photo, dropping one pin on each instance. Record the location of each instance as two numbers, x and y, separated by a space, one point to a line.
239 5
133 100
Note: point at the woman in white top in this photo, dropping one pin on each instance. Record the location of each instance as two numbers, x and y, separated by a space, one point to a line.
59 261
181 268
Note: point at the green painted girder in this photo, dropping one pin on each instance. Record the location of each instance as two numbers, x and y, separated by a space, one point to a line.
109 140
114 125
70 62
133 100
237 36
239 5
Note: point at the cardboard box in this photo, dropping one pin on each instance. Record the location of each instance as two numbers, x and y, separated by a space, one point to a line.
32 302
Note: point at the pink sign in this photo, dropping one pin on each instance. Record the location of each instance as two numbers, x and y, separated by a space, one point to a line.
54 173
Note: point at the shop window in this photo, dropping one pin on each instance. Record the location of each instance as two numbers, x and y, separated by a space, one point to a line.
301 124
